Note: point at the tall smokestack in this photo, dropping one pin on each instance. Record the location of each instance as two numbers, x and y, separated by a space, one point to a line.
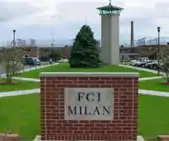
132 35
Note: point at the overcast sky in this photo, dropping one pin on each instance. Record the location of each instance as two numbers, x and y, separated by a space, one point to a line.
62 19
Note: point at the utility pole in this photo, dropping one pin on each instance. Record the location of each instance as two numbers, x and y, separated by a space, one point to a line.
158 30
13 59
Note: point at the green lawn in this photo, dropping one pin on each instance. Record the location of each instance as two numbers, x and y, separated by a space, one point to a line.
21 85
22 115
65 68
153 116
154 85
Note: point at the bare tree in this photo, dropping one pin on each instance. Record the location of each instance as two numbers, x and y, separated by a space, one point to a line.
11 60
165 63
17 61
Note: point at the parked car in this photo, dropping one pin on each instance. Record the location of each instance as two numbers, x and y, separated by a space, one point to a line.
143 63
152 65
50 61
138 63
32 61
135 63
132 62
37 61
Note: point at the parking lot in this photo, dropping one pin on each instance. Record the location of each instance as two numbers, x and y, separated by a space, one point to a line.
146 63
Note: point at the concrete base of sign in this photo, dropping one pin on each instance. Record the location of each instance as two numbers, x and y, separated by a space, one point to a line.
38 138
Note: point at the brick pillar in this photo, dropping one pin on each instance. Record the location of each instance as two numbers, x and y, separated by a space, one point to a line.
89 106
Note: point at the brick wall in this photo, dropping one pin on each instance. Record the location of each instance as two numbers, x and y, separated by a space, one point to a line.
122 127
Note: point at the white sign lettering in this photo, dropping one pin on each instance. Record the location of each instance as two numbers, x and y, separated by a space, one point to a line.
89 103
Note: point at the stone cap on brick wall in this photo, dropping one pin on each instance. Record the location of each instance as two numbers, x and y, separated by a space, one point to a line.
90 74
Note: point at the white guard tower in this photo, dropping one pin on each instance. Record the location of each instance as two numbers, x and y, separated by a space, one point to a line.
110 52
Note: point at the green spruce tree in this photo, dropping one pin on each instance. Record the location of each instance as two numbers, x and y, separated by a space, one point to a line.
84 53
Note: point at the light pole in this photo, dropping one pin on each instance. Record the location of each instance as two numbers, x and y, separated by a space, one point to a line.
13 62
158 30
14 31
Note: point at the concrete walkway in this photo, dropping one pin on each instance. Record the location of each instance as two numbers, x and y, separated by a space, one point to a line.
38 67
150 78
26 79
154 93
33 79
3 75
141 69
140 79
25 92
32 91
21 92
38 80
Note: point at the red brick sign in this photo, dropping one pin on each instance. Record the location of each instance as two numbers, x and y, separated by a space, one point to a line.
89 106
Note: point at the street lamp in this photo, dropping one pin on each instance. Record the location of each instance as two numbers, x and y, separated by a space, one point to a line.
13 61
14 31
158 30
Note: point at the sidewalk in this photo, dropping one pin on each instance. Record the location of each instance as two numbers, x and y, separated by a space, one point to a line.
32 91
142 69
21 92
38 67
38 80
25 92
3 75
153 93
150 78
26 79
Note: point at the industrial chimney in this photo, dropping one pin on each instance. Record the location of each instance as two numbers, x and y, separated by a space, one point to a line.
132 35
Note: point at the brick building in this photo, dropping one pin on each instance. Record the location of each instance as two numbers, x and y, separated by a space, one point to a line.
41 52
66 52
130 53
149 51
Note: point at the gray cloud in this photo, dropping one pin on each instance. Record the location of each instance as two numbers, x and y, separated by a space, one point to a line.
10 11
161 9
146 18
69 16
